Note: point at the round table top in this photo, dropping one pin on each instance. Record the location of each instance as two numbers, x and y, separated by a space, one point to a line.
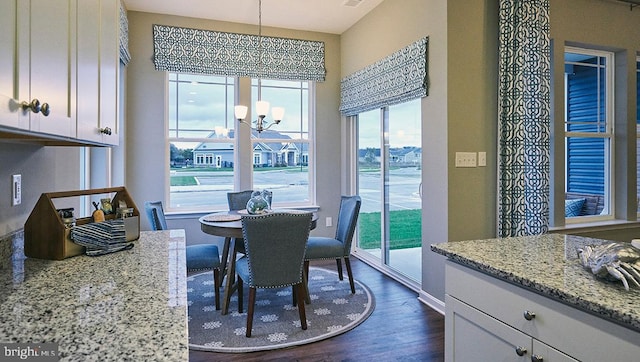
228 224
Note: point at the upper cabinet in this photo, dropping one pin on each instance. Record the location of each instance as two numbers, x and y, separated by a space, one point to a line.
46 70
97 64
58 79
9 106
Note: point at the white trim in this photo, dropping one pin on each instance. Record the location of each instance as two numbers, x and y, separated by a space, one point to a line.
432 302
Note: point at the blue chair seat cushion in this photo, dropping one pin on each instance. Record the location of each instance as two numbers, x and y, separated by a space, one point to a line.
319 247
242 268
203 257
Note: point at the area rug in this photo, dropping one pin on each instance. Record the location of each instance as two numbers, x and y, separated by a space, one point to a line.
276 323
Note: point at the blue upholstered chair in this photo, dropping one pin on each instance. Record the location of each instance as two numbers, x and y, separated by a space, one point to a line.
238 200
199 257
339 247
155 214
275 246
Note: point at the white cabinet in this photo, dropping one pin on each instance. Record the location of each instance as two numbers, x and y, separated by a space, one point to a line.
97 70
46 69
488 319
63 54
9 107
475 336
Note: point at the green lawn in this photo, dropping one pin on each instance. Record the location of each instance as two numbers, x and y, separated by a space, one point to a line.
183 181
406 229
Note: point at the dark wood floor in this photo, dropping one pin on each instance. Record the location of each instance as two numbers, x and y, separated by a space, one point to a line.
400 328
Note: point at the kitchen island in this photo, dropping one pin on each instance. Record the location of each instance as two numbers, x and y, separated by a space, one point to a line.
129 305
529 297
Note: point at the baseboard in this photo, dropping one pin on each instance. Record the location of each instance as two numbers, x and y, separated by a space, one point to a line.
431 301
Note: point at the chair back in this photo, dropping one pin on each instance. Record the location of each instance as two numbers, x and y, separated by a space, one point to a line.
275 245
347 220
155 214
238 200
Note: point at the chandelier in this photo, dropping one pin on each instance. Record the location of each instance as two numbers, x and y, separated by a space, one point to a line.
262 107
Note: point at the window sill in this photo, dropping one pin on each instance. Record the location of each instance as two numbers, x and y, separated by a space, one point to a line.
196 214
595 226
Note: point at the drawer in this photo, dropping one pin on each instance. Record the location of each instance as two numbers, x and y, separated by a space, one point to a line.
572 331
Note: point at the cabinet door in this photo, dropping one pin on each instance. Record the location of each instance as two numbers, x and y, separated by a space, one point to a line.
97 59
9 105
109 65
471 335
46 71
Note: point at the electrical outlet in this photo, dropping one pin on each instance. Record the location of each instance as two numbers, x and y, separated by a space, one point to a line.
16 190
328 221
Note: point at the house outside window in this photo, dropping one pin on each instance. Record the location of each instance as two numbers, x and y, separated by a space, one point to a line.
589 156
202 142
201 121
283 146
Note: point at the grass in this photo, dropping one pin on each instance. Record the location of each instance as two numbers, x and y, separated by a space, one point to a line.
406 230
183 181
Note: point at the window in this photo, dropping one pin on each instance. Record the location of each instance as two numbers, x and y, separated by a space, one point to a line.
589 155
202 142
282 153
201 145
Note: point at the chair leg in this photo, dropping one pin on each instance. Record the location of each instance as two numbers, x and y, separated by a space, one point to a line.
240 287
305 275
216 287
339 263
301 311
252 302
347 263
229 286
294 296
225 257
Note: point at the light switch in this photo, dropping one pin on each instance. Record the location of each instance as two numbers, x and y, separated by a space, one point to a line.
465 159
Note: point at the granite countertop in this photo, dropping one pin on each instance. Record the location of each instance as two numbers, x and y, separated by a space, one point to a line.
549 265
129 305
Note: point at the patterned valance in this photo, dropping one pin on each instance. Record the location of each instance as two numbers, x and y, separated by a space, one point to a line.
238 55
125 57
400 77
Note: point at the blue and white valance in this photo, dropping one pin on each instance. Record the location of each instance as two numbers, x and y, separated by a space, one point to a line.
125 57
196 51
400 77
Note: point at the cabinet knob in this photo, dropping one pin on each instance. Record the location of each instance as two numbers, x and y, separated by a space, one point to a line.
529 315
536 358
45 109
34 105
106 131
521 351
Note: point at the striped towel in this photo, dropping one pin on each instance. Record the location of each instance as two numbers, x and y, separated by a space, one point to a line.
101 238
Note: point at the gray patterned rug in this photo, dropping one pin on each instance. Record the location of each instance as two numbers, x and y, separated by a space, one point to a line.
276 324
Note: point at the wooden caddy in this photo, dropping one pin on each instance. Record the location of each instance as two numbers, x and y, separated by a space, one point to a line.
46 236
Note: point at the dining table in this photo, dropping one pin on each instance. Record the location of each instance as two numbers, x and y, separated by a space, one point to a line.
228 224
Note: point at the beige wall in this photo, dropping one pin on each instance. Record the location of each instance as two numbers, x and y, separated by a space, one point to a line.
613 27
147 166
458 114
43 169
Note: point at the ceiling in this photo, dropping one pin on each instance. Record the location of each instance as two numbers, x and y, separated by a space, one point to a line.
327 16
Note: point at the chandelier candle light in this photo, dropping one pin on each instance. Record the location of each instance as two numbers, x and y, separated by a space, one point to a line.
262 107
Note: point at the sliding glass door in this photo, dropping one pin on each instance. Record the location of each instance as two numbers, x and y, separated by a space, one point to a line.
389 183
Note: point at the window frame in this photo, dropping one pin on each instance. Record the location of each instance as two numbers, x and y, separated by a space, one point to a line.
240 144
608 135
